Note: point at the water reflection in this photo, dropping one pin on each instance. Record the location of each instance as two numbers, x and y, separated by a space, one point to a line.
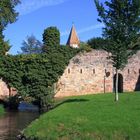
13 122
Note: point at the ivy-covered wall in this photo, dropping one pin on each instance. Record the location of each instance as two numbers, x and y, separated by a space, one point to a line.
34 75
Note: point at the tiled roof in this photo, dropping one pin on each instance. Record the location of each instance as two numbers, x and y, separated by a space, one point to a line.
73 38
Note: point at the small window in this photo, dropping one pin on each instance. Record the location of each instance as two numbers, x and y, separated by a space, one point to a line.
68 70
93 71
128 71
139 71
81 71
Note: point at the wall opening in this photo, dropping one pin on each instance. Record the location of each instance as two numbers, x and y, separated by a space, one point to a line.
69 71
128 71
93 71
81 71
120 83
137 86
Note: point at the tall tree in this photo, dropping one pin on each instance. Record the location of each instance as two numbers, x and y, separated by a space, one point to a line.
122 25
51 38
31 45
98 43
7 15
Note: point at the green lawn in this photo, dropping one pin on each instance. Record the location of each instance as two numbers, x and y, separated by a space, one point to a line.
92 117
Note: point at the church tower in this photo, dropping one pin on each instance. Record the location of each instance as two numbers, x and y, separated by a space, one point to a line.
73 40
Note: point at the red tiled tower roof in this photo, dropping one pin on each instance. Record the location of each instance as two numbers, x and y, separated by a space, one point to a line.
73 38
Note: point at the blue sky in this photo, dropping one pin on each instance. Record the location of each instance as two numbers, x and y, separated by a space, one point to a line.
36 15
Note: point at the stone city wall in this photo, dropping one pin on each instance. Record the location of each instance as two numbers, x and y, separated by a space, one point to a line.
5 91
92 72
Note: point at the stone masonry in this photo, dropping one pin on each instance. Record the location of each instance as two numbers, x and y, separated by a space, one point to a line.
5 91
91 73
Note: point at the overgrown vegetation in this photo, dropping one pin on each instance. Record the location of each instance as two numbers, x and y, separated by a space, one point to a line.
34 75
98 43
90 117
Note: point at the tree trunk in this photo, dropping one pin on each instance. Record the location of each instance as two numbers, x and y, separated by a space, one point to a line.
116 86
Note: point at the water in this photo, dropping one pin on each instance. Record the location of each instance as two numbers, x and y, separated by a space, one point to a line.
13 122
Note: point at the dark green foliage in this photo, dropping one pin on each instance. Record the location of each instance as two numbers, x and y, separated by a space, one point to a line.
98 43
13 102
85 47
51 38
8 13
7 16
31 45
4 47
34 75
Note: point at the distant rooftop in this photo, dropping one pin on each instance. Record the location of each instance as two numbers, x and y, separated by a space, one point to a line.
73 40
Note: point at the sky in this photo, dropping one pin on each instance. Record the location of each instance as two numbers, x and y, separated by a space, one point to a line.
37 15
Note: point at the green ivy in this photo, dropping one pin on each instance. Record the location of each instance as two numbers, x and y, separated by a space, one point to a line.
34 75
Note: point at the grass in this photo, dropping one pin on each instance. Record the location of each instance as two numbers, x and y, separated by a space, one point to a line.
91 117
1 110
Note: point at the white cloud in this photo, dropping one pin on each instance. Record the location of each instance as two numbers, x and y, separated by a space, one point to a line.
28 6
86 29
64 33
93 27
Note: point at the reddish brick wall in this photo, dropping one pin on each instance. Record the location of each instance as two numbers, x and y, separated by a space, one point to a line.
91 72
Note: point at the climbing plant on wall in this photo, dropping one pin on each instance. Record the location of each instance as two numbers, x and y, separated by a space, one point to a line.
34 75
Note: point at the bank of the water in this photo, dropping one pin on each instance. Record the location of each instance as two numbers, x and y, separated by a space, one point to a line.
90 117
1 110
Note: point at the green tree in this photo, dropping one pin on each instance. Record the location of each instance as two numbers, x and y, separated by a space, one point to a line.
31 45
51 38
122 25
98 43
7 15
4 47
85 47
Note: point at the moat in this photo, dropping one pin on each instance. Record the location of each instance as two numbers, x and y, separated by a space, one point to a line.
15 121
